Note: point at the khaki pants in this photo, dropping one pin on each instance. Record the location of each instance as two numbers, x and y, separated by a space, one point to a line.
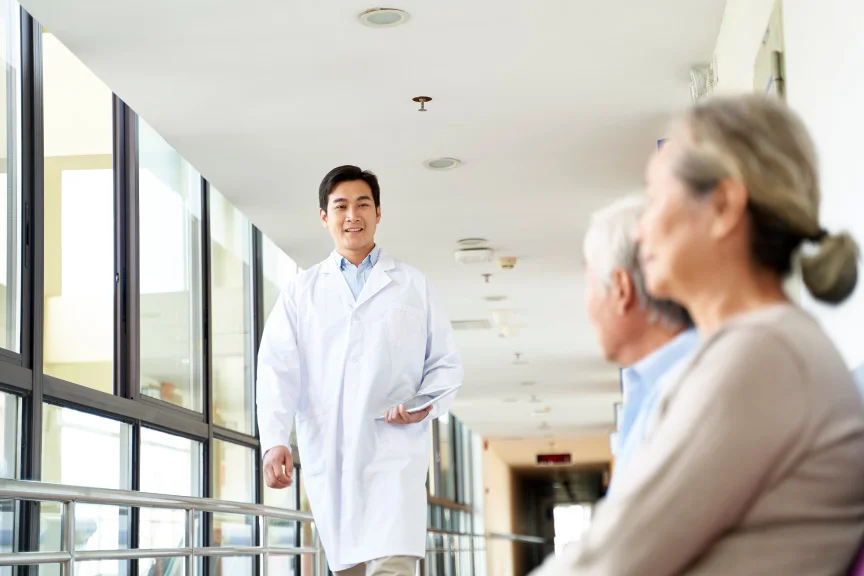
390 566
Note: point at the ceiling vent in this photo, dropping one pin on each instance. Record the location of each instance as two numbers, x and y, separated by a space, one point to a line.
471 325
473 255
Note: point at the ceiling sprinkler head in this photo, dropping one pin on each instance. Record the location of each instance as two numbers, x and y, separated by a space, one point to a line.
422 100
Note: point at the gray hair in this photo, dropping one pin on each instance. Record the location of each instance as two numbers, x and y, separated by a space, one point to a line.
610 244
764 145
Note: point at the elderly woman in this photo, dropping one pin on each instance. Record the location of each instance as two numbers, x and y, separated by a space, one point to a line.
753 462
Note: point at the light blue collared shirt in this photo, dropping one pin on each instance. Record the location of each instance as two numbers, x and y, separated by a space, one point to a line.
642 390
356 276
858 375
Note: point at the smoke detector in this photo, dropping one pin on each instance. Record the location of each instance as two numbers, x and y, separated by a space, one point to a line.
507 263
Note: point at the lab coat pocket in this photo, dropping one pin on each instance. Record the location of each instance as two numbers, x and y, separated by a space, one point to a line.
405 328
310 438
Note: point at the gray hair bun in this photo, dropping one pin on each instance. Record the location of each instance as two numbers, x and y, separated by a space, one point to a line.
832 272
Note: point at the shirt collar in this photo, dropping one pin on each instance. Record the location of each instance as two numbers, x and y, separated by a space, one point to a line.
654 365
369 261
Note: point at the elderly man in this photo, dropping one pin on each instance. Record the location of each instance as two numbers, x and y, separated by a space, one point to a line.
646 337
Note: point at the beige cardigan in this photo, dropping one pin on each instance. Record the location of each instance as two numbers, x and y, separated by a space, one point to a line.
753 464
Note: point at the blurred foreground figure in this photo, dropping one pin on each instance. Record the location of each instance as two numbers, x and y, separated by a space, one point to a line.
754 460
648 338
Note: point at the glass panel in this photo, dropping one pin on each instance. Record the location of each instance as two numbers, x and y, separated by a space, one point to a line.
170 464
9 407
232 566
465 468
278 269
10 180
234 476
231 289
283 532
7 531
162 567
79 221
432 488
445 446
86 450
169 199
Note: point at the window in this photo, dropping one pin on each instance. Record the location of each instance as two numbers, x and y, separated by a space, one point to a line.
231 314
446 450
278 269
169 465
10 181
169 199
86 450
79 221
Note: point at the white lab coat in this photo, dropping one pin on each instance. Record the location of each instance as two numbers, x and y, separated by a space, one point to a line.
336 365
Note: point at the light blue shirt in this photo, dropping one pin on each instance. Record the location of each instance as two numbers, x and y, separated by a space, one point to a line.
642 390
858 375
356 276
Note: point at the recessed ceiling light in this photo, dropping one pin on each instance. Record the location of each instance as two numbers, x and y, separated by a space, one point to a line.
442 164
384 17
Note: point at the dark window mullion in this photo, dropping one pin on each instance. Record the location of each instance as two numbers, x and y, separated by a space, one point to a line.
257 279
206 301
33 247
126 300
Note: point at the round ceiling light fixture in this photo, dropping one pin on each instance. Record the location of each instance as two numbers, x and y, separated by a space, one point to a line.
383 17
442 164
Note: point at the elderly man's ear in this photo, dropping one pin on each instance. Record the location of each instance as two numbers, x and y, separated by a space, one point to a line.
622 291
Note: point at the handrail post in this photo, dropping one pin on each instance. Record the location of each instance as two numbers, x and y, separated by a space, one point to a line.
190 541
69 535
321 567
265 544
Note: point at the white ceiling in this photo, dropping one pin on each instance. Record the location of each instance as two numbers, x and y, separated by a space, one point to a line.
553 105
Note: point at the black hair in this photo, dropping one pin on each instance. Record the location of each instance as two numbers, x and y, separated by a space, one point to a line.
347 174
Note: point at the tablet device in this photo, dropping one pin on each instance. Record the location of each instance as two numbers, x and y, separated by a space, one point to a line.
422 401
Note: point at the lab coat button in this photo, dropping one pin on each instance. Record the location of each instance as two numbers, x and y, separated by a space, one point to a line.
355 359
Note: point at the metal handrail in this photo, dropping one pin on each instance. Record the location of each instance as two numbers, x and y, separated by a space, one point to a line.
70 495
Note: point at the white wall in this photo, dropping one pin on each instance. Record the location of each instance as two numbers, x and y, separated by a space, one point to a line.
824 55
498 516
824 48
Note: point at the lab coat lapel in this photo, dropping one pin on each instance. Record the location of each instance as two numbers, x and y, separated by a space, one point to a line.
335 283
378 280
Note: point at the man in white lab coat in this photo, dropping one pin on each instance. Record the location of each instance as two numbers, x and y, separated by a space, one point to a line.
349 340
